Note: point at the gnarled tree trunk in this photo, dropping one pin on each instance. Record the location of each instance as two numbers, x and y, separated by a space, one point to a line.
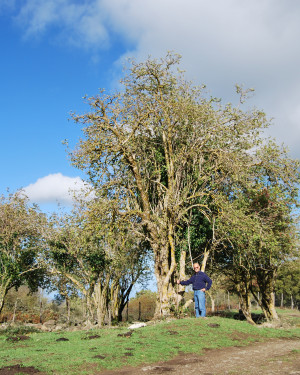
119 300
243 291
3 291
164 268
100 299
89 308
266 283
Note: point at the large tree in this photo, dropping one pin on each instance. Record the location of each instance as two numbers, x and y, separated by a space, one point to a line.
165 149
21 244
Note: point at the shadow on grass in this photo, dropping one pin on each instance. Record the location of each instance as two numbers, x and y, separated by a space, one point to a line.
257 318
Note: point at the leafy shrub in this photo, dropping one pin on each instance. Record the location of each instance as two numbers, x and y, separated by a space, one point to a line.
18 330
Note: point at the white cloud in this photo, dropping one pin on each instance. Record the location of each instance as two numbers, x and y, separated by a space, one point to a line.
55 188
76 23
254 43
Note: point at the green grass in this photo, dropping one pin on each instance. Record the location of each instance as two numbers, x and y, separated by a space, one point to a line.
153 343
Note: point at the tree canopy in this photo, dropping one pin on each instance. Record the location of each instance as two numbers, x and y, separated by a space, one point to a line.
21 244
165 150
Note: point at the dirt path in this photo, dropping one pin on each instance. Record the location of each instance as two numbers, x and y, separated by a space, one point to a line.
274 357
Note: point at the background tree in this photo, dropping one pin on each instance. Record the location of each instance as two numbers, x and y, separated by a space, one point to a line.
233 257
65 292
141 306
126 249
24 305
76 257
287 285
97 255
21 244
273 206
257 228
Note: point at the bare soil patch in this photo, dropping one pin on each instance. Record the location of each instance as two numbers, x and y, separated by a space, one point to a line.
93 337
127 334
240 336
18 338
62 339
18 369
273 357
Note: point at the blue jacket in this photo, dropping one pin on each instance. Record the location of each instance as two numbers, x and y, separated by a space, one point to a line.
199 280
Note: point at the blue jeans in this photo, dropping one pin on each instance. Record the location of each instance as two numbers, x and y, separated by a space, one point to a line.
199 298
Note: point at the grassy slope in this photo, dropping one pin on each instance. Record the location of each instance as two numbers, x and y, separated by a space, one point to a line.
146 345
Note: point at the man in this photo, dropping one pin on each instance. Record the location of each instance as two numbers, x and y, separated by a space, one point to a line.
201 282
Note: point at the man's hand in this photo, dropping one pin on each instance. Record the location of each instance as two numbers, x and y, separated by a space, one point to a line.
178 281
203 289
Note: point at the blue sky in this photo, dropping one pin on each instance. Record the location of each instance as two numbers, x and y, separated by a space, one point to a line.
53 52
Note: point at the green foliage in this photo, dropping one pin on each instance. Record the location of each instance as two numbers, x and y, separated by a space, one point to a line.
288 283
25 306
167 155
142 306
21 244
18 330
146 293
193 236
95 254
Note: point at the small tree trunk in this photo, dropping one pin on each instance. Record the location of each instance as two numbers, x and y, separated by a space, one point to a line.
212 305
140 311
182 264
180 290
204 261
41 309
244 300
3 292
292 302
119 298
15 309
83 305
109 315
68 308
268 306
89 309
1 301
281 301
115 299
121 308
